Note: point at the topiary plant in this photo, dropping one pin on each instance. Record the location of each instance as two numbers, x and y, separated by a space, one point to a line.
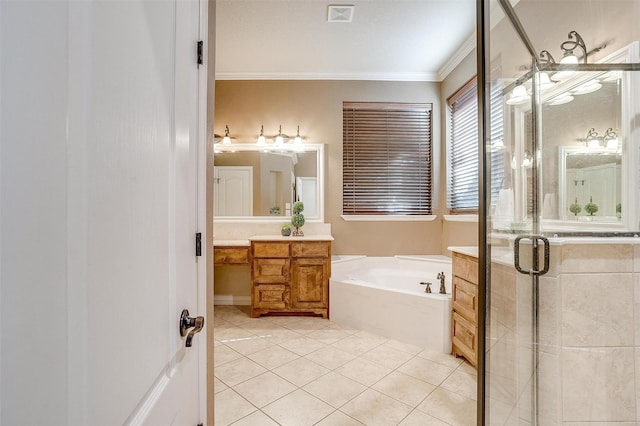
297 220
575 208
591 207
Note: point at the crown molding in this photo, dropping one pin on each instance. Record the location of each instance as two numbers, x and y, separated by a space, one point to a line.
458 56
410 76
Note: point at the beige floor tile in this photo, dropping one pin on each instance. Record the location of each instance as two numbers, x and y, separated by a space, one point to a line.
231 407
231 334
334 389
264 389
306 325
357 345
298 409
373 408
363 371
328 335
461 383
454 409
330 357
338 418
218 386
273 357
281 335
468 368
387 357
258 418
249 345
238 371
404 388
223 354
418 418
302 345
300 371
440 358
426 370
404 347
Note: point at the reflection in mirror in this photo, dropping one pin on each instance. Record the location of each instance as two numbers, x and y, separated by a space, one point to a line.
253 182
576 170
590 184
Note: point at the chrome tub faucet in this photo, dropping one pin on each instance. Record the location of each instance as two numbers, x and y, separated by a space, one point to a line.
441 277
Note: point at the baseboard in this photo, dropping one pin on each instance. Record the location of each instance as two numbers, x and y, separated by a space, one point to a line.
230 299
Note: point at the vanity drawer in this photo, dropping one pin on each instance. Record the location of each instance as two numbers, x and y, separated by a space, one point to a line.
268 271
271 296
270 249
464 338
465 299
231 255
466 267
310 249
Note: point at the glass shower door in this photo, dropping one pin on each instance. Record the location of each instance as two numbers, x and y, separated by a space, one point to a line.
559 218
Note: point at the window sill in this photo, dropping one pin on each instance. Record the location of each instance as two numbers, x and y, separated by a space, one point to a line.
470 218
389 218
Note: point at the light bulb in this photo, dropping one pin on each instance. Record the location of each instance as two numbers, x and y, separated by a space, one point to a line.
298 139
261 139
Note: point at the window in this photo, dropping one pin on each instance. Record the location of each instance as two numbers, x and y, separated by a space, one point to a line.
386 164
462 167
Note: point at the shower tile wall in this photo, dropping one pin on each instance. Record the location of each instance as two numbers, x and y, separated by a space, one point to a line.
589 337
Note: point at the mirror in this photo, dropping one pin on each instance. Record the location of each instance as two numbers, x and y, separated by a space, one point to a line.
254 182
583 179
590 184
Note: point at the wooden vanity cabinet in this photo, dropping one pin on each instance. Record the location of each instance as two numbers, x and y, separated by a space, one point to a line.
464 321
290 277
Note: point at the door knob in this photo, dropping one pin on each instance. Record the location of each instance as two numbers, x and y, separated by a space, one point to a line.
187 322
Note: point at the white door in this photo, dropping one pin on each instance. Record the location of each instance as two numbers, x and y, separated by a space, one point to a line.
233 190
308 194
100 201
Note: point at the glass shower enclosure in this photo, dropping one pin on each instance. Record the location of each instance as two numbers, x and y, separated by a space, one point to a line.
559 105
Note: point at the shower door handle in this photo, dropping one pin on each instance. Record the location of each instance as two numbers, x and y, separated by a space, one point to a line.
535 239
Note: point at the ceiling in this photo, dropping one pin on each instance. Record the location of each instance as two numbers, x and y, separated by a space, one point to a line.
402 40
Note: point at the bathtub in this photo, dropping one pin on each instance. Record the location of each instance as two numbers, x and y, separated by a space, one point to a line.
382 295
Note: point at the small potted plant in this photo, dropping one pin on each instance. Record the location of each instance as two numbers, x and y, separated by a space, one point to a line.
575 208
285 230
297 220
619 210
591 207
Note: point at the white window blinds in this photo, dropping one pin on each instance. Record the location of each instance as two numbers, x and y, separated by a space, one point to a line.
386 164
462 170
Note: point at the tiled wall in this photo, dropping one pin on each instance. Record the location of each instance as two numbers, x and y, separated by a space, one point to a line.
589 336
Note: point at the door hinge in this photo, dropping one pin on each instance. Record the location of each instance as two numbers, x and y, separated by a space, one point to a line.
199 244
200 52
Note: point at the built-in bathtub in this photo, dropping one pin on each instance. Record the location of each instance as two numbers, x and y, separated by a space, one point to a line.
383 295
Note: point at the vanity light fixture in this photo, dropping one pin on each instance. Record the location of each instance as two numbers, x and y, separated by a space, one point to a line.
588 87
298 139
518 96
226 140
261 139
545 82
527 161
593 139
564 98
610 139
568 47
279 140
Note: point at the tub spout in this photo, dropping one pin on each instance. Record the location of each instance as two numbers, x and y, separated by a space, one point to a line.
427 288
441 277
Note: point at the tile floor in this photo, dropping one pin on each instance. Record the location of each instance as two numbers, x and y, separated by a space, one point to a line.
310 371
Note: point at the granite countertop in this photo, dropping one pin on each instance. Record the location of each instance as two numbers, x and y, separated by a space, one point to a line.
247 242
231 243
469 250
291 238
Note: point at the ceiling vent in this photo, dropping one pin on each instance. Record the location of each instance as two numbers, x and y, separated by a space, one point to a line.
340 13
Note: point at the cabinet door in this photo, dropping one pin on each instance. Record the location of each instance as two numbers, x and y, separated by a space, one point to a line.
464 338
271 271
310 287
